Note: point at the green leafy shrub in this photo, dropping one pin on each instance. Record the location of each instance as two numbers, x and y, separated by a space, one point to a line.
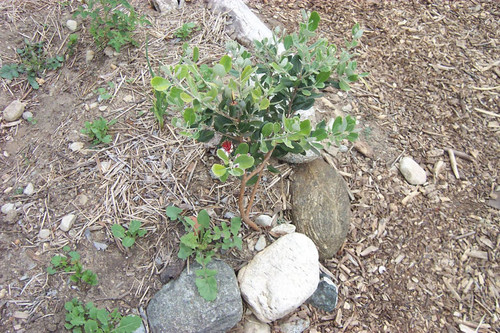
129 236
253 100
70 263
87 318
112 22
203 240
185 31
33 61
98 130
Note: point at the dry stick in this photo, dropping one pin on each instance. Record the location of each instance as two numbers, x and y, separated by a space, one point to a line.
244 213
453 163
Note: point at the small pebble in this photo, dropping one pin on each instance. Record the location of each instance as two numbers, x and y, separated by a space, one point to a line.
67 222
27 115
413 173
89 55
71 24
128 98
264 220
103 108
29 189
82 199
94 105
3 293
44 234
11 216
76 146
343 148
6 208
13 111
282 229
261 243
109 52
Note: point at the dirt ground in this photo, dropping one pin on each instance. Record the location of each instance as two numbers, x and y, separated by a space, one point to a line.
417 258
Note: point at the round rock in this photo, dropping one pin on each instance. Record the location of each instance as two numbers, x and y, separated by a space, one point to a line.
264 220
13 111
29 189
320 206
281 277
67 222
44 234
178 307
71 24
6 208
413 173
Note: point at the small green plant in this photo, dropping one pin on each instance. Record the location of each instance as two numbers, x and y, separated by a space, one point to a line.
98 130
160 104
112 22
70 263
186 30
32 120
105 93
203 240
72 42
129 236
89 319
253 101
33 61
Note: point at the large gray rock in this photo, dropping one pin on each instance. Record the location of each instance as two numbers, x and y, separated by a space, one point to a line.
178 307
325 297
281 277
320 206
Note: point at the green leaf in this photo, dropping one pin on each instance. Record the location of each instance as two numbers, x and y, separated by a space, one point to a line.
189 116
226 61
219 70
207 287
129 324
344 85
313 22
221 153
160 84
196 54
173 212
204 219
134 226
267 129
219 170
184 251
237 172
287 42
242 148
244 161
186 98
245 75
118 231
190 240
323 76
128 241
273 169
264 104
305 127
235 225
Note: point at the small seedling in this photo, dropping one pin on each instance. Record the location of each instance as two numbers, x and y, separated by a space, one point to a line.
87 318
33 62
186 30
98 130
72 41
32 120
129 236
203 240
71 264
105 92
112 22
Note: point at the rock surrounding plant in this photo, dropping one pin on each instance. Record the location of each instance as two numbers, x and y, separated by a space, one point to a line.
98 130
186 30
33 61
203 240
112 22
128 236
71 264
87 318
253 101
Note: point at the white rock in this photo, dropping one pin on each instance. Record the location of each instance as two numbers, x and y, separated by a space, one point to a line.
253 325
67 222
412 172
6 208
93 105
27 115
264 220
29 189
103 108
89 55
128 98
281 277
109 51
44 234
13 111
71 24
76 146
283 229
261 243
